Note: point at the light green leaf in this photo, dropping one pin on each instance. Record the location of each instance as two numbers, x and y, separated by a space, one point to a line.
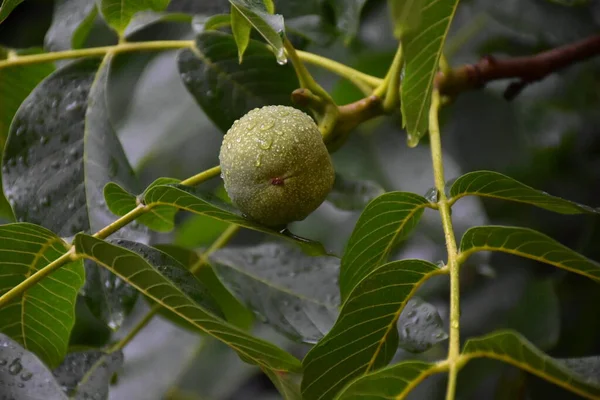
120 202
32 380
347 15
364 337
394 382
406 15
147 280
386 220
422 50
189 199
240 27
118 13
285 383
512 348
42 318
6 7
301 290
71 24
495 185
269 26
227 90
527 243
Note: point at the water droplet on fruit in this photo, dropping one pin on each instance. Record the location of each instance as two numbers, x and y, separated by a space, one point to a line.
15 367
258 161
265 143
267 125
26 375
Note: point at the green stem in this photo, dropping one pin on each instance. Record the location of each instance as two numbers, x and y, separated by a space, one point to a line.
97 52
392 86
121 222
453 265
38 276
136 329
202 176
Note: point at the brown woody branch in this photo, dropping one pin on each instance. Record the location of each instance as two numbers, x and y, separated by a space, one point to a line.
524 70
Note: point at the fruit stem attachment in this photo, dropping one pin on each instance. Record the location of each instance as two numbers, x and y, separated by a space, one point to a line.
389 89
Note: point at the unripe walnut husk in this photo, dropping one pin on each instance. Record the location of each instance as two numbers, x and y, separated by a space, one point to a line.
275 165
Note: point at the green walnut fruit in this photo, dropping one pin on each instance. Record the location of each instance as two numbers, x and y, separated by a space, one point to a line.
275 165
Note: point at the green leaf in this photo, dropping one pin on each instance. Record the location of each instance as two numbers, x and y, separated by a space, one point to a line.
406 15
198 230
512 348
227 90
118 13
386 220
147 280
347 15
213 22
87 374
42 318
269 26
302 290
395 382
71 24
6 7
285 383
190 199
364 336
352 195
240 27
527 243
234 311
422 50
120 202
498 186
15 85
145 19
24 376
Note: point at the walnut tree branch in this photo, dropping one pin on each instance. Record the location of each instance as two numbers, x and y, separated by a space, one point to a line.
524 70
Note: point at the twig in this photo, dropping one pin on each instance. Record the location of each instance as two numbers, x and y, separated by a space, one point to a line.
525 70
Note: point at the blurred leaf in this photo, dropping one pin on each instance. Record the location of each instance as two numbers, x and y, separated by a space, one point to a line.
397 381
386 220
198 230
420 326
213 22
347 15
71 24
353 195
378 299
285 383
227 90
512 348
527 243
294 293
190 199
42 318
145 19
118 13
120 202
6 7
498 186
422 50
87 374
234 311
269 26
406 15
240 28
570 3
146 279
23 375
15 85
313 28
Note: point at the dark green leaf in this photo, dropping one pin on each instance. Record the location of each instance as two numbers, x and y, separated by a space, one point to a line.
189 199
512 348
240 28
147 280
212 23
6 7
71 24
498 186
269 26
386 220
23 375
395 382
42 318
198 230
227 90
145 19
118 13
234 311
347 15
422 50
529 244
86 374
294 293
364 336
420 326
120 202
353 195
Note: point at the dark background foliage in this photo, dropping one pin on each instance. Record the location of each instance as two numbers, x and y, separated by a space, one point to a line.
548 137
